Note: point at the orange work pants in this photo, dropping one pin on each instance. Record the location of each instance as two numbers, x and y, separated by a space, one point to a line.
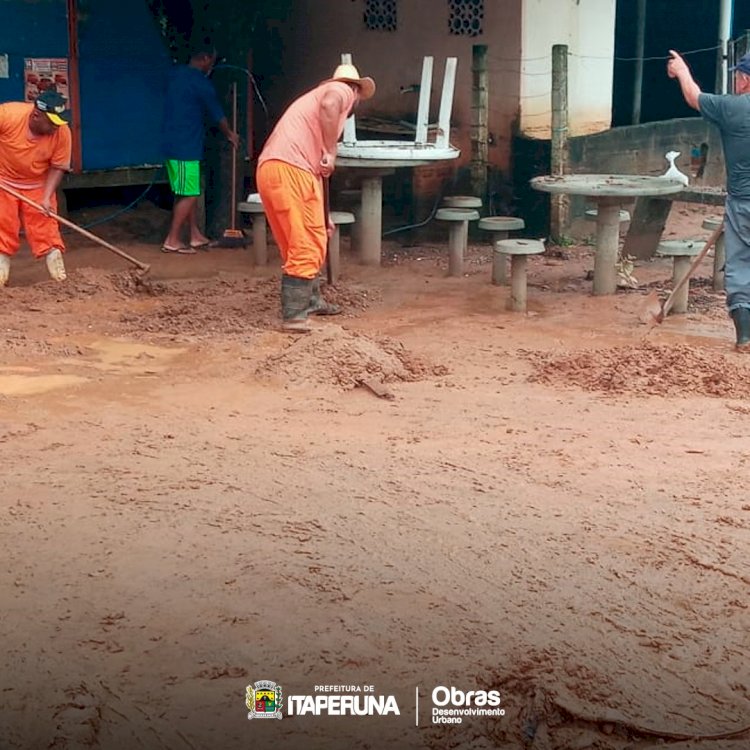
42 231
293 204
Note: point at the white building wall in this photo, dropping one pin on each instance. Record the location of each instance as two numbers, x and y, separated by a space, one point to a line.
588 28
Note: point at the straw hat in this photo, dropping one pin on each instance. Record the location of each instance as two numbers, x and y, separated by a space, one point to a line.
349 74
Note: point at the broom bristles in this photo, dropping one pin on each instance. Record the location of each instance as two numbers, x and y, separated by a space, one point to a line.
232 238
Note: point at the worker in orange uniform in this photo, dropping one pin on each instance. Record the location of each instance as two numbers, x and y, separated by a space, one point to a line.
298 155
35 150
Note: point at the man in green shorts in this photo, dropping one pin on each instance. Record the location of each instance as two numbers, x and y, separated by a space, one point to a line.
190 99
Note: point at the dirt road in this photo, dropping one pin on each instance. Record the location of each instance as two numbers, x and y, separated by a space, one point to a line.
552 505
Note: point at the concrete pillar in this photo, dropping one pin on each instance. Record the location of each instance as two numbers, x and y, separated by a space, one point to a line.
607 245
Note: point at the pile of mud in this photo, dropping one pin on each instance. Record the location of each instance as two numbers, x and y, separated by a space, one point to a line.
334 356
81 284
227 307
646 369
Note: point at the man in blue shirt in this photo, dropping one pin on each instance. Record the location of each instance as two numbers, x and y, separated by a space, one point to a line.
731 115
190 101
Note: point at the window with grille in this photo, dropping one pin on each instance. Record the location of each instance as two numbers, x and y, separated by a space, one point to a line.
466 17
380 15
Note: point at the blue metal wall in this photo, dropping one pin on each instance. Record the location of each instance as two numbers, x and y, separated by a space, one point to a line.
123 70
37 29
123 66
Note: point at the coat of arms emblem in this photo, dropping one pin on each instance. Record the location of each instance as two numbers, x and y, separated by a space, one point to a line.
264 700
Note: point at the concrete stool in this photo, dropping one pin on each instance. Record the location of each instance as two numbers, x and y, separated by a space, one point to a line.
462 201
458 235
500 226
260 230
720 255
518 251
682 251
334 244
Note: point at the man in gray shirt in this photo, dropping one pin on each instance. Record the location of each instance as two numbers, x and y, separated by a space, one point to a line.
731 115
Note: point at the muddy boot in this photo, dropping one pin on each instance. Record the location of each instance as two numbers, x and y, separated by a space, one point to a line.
318 304
741 318
295 302
55 265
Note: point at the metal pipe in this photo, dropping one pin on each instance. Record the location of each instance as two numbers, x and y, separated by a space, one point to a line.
640 46
725 34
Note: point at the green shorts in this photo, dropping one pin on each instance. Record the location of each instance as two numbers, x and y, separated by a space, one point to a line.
184 177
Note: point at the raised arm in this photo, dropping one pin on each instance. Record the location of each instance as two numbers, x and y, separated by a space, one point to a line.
678 68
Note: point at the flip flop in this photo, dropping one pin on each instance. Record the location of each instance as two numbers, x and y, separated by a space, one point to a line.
204 245
180 250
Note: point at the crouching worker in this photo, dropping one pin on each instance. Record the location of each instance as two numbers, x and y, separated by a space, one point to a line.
298 155
35 149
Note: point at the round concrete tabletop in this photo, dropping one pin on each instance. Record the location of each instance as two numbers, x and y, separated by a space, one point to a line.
379 154
606 185
456 214
519 247
501 223
679 248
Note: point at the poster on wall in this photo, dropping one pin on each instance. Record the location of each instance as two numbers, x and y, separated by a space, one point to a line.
42 73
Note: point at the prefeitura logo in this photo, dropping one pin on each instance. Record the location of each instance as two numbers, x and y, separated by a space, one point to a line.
264 699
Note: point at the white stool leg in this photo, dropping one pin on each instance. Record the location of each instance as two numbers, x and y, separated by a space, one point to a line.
518 283
458 237
681 266
499 263
334 251
260 239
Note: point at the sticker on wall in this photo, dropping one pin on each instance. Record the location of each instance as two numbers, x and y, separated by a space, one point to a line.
42 73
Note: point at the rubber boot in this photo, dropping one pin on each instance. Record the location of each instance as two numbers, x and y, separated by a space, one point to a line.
295 302
741 318
55 265
318 304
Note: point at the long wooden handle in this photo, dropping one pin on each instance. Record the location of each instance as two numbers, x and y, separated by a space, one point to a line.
19 196
326 218
710 242
233 212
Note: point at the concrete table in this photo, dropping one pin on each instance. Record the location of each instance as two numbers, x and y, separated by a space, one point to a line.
379 159
607 191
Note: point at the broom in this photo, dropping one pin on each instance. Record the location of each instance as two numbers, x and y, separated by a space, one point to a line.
233 237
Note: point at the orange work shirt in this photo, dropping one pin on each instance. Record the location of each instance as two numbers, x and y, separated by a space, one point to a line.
297 138
25 159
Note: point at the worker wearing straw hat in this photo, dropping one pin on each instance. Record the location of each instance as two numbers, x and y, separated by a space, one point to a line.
298 155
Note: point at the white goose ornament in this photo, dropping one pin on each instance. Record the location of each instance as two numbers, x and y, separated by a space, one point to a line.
673 173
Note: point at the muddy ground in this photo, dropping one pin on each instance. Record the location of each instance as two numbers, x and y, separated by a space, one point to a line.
554 505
